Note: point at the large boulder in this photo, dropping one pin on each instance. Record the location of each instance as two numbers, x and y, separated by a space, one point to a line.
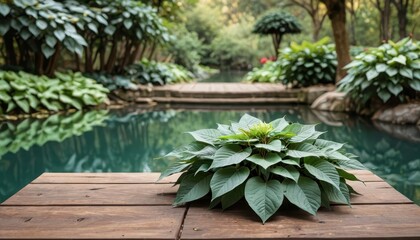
407 113
332 101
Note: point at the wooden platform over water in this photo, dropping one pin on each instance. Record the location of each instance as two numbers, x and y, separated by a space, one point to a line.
232 93
133 206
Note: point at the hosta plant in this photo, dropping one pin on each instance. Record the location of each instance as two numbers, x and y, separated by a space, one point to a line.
389 73
270 72
308 63
265 163
158 73
24 92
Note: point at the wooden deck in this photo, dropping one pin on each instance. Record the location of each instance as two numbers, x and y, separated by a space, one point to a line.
133 206
232 93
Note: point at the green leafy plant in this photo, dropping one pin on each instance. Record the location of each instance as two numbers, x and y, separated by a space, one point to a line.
308 63
113 82
264 163
57 127
270 72
26 92
277 24
35 33
158 73
390 73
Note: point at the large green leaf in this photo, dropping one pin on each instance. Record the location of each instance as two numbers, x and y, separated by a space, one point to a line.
71 101
248 121
269 159
23 104
305 194
305 132
279 124
193 188
209 136
415 84
274 146
303 150
226 179
406 72
230 155
174 168
287 172
334 194
233 196
265 198
4 96
371 74
322 170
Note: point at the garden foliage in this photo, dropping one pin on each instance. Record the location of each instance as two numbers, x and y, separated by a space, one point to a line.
28 93
270 72
113 82
308 63
57 127
158 73
265 163
37 33
390 73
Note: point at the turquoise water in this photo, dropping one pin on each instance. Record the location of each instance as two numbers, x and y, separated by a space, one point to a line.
130 140
226 76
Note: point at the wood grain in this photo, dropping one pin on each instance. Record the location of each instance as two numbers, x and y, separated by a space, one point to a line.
92 222
94 194
399 221
119 178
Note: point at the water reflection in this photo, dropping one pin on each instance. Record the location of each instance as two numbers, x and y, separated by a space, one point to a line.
130 141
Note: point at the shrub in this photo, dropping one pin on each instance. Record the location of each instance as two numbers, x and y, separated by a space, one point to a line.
113 82
264 163
55 128
390 72
26 92
308 63
158 73
270 72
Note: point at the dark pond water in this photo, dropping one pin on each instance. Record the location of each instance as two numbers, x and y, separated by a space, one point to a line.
130 141
226 76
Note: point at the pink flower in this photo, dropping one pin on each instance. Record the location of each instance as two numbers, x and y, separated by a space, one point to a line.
264 60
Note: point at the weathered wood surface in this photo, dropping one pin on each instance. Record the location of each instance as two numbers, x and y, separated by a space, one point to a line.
134 206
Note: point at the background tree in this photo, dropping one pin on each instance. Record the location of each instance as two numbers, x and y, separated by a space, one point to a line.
352 7
337 15
384 8
402 10
316 11
277 24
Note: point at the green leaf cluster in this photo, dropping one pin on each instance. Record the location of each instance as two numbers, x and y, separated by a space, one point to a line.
270 72
308 63
56 127
113 82
390 72
277 23
300 65
265 163
24 92
158 73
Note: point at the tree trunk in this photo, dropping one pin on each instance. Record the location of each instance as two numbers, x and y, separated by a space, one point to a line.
276 43
385 13
402 10
337 15
10 50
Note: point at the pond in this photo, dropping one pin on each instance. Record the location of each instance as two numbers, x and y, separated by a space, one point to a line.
226 76
132 141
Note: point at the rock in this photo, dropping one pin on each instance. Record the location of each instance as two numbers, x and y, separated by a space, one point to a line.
407 113
310 94
332 101
405 132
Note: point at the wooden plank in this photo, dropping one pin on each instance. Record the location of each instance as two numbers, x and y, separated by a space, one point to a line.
376 193
103 178
158 194
94 194
135 222
360 222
